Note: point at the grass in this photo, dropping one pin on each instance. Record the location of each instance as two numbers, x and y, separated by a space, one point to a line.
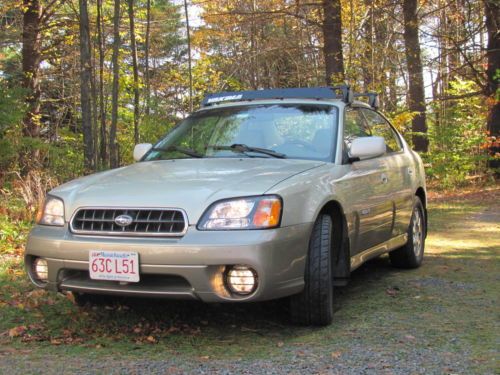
448 306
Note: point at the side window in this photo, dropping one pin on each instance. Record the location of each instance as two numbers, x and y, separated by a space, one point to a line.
355 126
381 128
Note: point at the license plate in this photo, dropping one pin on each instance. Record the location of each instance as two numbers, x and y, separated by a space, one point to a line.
114 265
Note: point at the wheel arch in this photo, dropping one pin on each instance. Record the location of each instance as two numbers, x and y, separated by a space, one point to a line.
423 198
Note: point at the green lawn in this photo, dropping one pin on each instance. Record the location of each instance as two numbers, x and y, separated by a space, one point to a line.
448 306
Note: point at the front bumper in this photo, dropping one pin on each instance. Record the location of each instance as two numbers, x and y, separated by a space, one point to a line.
190 267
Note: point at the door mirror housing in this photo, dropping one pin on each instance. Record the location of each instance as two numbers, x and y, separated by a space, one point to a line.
367 147
141 149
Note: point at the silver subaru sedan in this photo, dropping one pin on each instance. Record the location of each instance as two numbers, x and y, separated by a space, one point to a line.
257 195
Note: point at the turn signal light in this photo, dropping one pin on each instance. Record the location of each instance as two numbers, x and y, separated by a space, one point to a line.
267 213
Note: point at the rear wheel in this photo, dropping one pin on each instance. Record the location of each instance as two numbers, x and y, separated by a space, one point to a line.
412 254
314 305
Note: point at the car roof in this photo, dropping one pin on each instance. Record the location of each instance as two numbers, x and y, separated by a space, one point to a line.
334 102
327 95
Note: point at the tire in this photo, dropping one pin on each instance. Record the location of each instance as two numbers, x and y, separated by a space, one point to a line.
314 305
412 254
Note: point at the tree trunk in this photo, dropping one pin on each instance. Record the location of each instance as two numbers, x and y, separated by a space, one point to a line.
455 31
85 86
31 57
368 71
188 33
113 148
415 75
102 110
135 69
391 104
253 58
95 125
146 56
332 42
492 12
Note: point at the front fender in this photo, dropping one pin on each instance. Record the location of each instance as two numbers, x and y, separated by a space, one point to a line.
305 194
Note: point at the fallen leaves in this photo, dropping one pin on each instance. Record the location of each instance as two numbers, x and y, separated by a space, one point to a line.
30 301
146 340
71 298
55 342
392 291
479 193
336 354
38 332
17 331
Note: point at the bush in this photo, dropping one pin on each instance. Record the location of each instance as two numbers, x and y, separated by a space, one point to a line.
457 139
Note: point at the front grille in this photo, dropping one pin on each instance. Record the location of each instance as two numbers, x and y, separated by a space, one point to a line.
144 222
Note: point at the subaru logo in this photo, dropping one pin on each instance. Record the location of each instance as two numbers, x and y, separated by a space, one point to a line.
123 220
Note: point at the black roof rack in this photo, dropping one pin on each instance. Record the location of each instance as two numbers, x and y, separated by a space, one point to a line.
373 99
317 93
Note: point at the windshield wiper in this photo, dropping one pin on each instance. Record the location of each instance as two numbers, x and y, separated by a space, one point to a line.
186 151
242 148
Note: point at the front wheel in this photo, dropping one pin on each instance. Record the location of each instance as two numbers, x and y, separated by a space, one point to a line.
314 305
412 254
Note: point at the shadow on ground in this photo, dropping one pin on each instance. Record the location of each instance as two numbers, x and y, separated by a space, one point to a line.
266 316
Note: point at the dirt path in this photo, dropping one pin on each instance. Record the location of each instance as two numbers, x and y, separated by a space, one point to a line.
439 319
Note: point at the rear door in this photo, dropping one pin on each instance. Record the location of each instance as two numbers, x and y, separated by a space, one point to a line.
371 203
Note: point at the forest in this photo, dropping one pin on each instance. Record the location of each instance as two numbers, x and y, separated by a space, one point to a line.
82 81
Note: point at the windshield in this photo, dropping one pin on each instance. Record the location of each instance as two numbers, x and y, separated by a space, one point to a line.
294 131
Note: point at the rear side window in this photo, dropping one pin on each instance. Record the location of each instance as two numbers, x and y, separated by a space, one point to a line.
381 128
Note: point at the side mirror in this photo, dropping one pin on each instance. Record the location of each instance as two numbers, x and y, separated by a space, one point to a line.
367 147
141 149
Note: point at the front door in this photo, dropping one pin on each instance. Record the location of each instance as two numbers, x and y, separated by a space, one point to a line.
371 201
399 170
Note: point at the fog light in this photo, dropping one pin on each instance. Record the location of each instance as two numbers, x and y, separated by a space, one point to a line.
41 269
241 280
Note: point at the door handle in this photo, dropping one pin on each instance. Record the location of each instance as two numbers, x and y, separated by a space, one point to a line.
410 171
384 178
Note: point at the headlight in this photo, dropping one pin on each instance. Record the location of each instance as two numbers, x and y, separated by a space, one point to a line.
243 213
52 212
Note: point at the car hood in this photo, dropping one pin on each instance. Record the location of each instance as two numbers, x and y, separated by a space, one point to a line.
190 184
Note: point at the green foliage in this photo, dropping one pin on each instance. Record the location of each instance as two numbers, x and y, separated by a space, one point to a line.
64 157
7 154
12 111
14 225
61 158
12 108
152 129
458 139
